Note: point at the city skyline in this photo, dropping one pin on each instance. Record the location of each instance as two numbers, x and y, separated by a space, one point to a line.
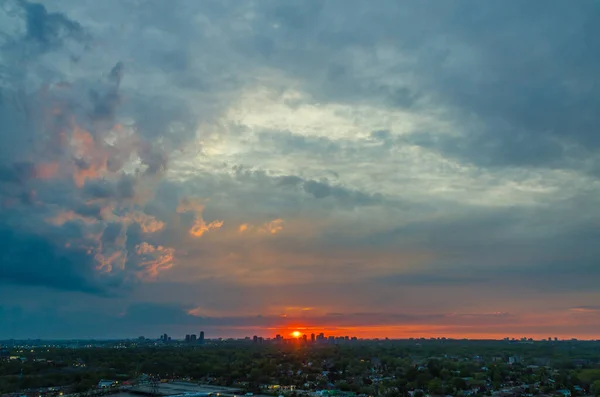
399 169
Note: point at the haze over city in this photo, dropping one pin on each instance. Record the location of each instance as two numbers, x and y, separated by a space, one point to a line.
374 169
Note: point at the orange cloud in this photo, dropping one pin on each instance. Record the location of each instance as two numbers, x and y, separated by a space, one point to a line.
200 311
46 170
148 223
196 206
200 227
154 260
94 159
105 263
272 227
67 216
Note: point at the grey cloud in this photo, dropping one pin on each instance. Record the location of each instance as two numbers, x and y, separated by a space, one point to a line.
289 142
431 279
29 259
587 308
290 180
17 173
112 232
124 188
49 28
317 189
513 105
89 210
322 189
60 173
345 196
101 189
105 104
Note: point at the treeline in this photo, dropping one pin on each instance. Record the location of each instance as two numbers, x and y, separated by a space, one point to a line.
437 366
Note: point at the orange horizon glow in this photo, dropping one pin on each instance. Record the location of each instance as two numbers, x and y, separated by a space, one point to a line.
423 331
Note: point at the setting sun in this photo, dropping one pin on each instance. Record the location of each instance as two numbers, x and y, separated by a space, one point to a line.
296 334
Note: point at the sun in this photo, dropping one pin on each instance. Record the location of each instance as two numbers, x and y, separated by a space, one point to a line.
296 334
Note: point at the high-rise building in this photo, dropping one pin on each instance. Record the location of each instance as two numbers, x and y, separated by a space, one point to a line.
193 338
187 338
312 338
201 338
304 338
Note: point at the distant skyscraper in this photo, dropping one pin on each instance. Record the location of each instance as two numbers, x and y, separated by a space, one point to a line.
201 338
193 338
187 338
304 338
255 339
312 338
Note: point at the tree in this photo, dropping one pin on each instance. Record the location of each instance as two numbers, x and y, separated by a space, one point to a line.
435 386
595 389
459 384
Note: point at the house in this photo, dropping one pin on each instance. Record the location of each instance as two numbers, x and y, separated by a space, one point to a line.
105 384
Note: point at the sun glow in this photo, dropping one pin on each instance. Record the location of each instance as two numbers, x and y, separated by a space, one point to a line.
296 334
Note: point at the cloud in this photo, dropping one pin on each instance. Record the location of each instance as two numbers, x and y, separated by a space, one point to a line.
74 179
199 226
49 28
586 309
273 227
408 154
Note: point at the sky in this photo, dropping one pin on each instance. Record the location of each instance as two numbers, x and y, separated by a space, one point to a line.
389 168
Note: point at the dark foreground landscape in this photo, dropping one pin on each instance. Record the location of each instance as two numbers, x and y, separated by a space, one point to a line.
362 368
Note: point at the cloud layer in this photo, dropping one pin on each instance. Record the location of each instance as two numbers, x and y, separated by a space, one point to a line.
295 153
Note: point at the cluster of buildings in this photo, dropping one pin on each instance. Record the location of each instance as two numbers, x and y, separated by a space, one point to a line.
189 338
314 338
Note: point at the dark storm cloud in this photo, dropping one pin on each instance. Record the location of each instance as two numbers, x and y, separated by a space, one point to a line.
27 258
70 216
17 173
49 28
